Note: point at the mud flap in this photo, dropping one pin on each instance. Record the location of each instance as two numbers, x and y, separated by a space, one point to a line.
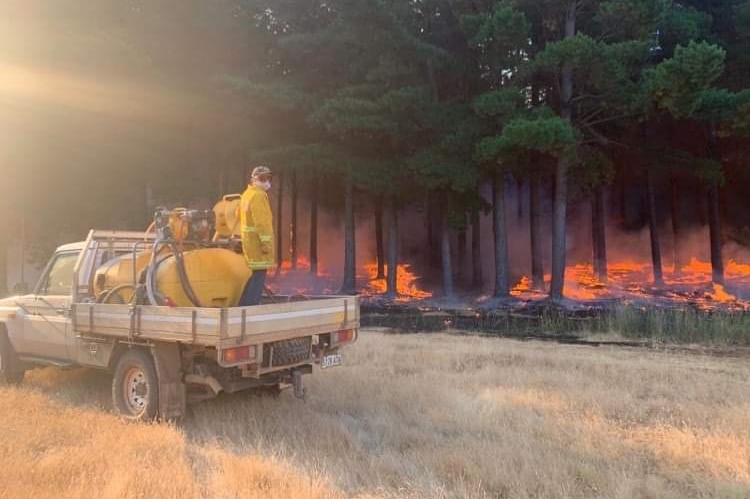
299 389
172 393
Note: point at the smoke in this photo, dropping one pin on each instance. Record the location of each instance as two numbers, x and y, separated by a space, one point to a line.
623 246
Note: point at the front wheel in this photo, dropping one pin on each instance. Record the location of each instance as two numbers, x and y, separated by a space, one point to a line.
135 386
9 371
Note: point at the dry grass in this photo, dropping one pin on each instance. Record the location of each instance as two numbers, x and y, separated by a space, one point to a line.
408 416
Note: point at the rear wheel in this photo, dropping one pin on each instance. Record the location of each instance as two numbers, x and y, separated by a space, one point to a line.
135 387
9 370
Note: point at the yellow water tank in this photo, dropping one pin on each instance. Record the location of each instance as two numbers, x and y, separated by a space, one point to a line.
118 272
217 276
227 216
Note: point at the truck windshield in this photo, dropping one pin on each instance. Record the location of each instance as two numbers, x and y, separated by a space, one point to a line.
59 278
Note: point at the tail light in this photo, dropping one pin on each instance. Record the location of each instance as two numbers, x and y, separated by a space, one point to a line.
238 355
344 336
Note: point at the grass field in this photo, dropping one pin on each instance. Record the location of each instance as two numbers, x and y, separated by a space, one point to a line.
413 416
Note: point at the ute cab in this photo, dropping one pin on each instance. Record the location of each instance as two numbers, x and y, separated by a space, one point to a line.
37 324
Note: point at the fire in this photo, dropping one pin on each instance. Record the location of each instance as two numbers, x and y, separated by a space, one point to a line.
303 265
523 286
406 283
631 281
720 294
299 281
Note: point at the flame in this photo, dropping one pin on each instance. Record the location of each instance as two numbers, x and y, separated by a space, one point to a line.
631 280
627 280
299 281
303 265
523 286
406 283
720 294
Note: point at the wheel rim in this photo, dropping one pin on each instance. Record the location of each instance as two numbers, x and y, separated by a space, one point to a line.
136 390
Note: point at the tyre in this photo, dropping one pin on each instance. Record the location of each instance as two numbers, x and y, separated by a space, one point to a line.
135 386
10 372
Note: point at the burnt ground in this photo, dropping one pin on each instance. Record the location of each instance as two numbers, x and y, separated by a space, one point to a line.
718 330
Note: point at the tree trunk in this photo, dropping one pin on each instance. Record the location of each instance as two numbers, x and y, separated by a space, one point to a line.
714 216
519 199
674 208
293 224
280 223
314 226
599 240
654 229
714 229
461 255
622 197
476 251
502 278
349 286
392 279
380 249
433 234
535 207
559 226
559 230
535 231
445 251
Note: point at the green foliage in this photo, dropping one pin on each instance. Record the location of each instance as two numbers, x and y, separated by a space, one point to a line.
678 83
505 30
447 164
594 169
740 121
580 52
502 104
268 97
500 37
350 117
628 19
553 136
682 24
428 95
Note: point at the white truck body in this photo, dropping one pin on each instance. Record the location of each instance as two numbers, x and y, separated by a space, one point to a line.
61 324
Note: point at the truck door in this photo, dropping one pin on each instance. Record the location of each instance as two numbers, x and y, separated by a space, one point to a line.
47 311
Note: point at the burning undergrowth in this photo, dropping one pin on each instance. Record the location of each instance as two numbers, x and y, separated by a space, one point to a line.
630 282
419 285
298 279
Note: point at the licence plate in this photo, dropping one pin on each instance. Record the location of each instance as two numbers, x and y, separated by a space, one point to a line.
330 361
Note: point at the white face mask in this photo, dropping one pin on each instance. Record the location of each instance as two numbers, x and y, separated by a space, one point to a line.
266 186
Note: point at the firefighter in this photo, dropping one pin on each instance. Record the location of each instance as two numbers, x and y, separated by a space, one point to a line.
256 221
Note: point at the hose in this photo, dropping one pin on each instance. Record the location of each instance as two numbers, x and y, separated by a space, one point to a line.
104 297
150 273
184 280
151 292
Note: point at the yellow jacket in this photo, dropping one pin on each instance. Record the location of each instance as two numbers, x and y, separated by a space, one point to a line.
256 220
